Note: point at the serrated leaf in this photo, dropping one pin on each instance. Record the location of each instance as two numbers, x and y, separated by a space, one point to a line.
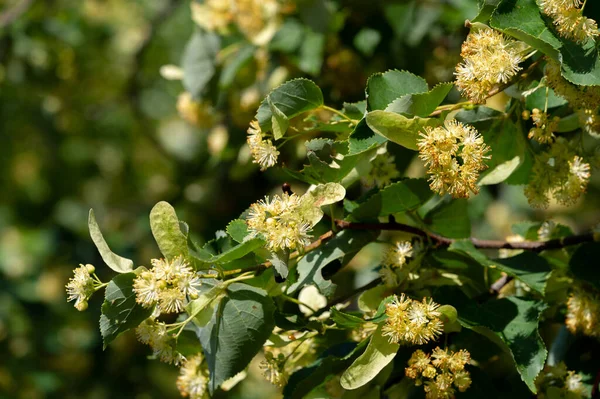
237 229
500 172
238 251
120 311
528 267
383 88
242 322
379 353
363 139
397 197
198 62
398 128
326 194
420 104
112 260
478 115
345 320
512 324
342 247
355 110
584 263
292 99
167 232
537 99
279 121
450 219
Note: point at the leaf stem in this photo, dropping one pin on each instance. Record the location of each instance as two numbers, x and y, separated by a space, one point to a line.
340 114
298 302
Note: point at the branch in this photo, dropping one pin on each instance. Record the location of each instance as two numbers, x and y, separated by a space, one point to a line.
536 246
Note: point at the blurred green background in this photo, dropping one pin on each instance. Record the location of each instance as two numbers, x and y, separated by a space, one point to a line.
87 121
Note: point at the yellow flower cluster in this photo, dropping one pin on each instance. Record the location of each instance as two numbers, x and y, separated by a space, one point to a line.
454 155
559 173
589 120
394 258
489 59
544 129
579 97
583 313
281 221
556 381
166 285
273 369
196 113
441 372
193 378
383 171
255 19
263 151
412 322
569 19
82 286
154 333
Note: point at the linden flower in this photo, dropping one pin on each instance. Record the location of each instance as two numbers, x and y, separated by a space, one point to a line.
263 151
383 171
569 20
273 369
396 255
166 285
583 313
544 129
444 371
281 221
454 155
558 376
193 378
489 59
412 322
155 334
557 172
82 286
589 120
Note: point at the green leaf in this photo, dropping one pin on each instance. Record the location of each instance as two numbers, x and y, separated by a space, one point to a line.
326 194
167 232
292 99
511 323
237 229
450 219
242 322
201 309
363 139
528 267
345 320
198 62
478 115
379 353
279 260
356 110
369 300
383 88
584 263
311 52
120 311
238 251
366 40
279 121
397 197
112 260
537 99
340 248
500 172
486 10
398 128
420 104
232 66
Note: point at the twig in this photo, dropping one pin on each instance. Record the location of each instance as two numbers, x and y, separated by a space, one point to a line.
349 295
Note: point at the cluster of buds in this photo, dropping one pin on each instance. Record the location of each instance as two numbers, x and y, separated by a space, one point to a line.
82 286
383 171
156 334
569 19
559 173
454 155
412 322
579 97
255 19
193 378
394 258
545 126
441 372
262 149
166 286
273 369
590 121
281 220
557 382
489 59
583 313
